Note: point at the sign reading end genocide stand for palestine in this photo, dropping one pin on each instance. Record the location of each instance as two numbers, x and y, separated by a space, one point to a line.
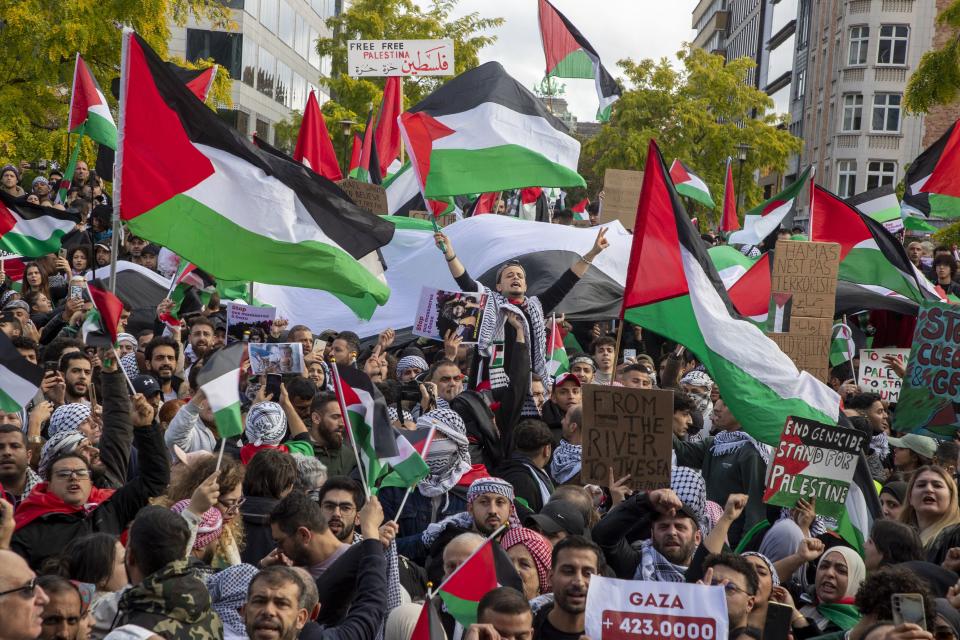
813 460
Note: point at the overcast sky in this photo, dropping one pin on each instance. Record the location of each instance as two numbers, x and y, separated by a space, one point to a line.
616 28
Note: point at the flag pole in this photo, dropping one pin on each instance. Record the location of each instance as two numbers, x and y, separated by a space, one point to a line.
223 443
338 388
426 448
489 539
616 352
124 371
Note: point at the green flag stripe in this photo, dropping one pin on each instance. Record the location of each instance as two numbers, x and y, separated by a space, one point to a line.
457 171
463 611
228 420
576 64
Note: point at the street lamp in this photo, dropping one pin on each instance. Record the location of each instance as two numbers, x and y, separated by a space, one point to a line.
346 128
743 151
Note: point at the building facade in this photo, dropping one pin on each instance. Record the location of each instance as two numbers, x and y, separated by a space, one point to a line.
270 53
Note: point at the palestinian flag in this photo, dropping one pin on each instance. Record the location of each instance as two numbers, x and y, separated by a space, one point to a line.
30 230
569 55
882 205
869 255
100 327
89 113
367 421
429 626
747 281
673 289
185 177
916 223
580 210
187 278
728 220
557 361
690 184
387 134
485 203
19 378
486 569
407 468
931 189
12 266
761 221
533 205
219 380
842 347
403 195
314 148
199 81
484 131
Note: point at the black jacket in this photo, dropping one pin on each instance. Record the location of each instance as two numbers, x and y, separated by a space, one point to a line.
631 519
523 475
117 439
256 525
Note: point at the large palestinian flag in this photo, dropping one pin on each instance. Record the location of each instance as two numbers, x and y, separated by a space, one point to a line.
673 289
483 131
882 205
869 255
19 378
761 221
569 55
486 569
690 184
30 230
89 113
367 421
220 382
747 281
189 182
931 188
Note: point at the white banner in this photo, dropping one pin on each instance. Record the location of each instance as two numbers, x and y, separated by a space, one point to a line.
876 377
382 58
638 610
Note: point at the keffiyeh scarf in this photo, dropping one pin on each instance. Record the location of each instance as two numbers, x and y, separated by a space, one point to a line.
730 441
228 590
411 362
880 445
450 424
774 577
68 417
62 442
692 491
464 520
265 424
128 363
655 568
491 332
567 461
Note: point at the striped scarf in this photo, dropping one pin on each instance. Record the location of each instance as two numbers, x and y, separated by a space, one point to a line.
730 441
655 568
491 332
567 461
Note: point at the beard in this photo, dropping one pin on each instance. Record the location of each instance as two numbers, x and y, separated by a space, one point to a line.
677 555
74 392
345 530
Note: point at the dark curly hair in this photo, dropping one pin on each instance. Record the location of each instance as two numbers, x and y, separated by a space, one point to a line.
873 596
739 564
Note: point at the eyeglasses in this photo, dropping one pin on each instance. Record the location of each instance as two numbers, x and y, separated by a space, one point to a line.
26 591
344 507
69 474
232 507
729 587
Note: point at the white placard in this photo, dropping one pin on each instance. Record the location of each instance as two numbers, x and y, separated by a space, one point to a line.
639 610
442 311
876 377
383 58
243 318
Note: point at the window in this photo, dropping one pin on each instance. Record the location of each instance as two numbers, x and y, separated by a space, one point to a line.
301 37
859 39
298 92
266 69
892 48
251 7
846 178
243 122
268 14
224 48
852 112
285 29
800 84
312 56
886 113
881 173
263 130
284 81
803 24
249 62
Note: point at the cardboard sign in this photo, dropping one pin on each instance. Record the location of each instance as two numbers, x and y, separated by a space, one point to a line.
809 351
443 220
876 377
382 58
808 271
629 430
248 322
371 197
926 397
282 357
442 311
639 610
813 460
621 195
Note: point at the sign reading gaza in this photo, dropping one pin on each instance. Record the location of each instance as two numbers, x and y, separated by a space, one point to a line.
936 360
382 58
814 460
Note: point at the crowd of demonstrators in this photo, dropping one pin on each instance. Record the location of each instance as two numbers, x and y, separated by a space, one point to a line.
119 518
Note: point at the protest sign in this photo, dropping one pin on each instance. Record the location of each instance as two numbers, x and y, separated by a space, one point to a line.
813 460
621 194
382 58
279 357
931 386
443 220
629 430
248 322
371 197
639 610
876 376
808 270
442 311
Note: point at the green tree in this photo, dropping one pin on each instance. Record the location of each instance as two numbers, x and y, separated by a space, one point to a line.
699 113
936 80
38 42
400 20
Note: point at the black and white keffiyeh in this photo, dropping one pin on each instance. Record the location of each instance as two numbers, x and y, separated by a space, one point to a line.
655 568
690 487
61 442
450 424
228 591
129 365
730 441
880 445
266 424
411 362
464 520
68 417
567 461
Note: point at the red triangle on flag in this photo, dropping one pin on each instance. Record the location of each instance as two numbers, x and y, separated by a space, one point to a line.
110 308
314 147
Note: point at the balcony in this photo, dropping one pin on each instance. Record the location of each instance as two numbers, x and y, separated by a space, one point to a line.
718 22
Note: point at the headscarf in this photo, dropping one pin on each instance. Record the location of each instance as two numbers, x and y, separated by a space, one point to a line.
411 362
126 337
692 491
856 571
697 379
210 527
266 424
446 467
584 358
5 297
62 442
68 417
228 590
567 461
464 520
701 401
128 362
774 576
843 613
403 620
896 488
538 547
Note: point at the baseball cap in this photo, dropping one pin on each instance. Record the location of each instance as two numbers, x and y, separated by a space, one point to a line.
17 304
147 385
151 249
557 516
565 377
921 445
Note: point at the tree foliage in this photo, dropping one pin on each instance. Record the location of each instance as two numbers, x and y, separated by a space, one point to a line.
38 43
936 80
699 113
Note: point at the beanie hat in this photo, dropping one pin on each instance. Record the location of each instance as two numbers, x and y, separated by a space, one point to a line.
10 167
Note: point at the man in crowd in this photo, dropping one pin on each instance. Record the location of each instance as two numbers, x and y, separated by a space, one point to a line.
636 376
682 415
16 476
201 337
604 354
161 356
526 469
340 501
584 367
326 430
740 586
574 561
505 612
566 393
21 600
568 457
446 375
76 369
345 348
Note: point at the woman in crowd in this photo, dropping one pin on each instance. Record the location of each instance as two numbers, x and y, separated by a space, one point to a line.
933 512
891 499
79 259
530 553
891 542
98 559
34 279
839 574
